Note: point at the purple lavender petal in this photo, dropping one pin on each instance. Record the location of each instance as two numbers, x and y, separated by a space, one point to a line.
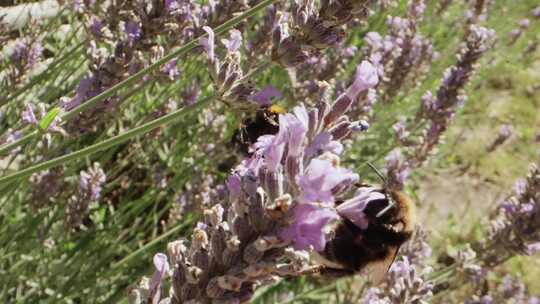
298 127
234 42
533 248
234 186
323 143
208 43
162 268
307 228
319 178
366 78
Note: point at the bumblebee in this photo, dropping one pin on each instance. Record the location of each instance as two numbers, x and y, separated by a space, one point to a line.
351 250
264 122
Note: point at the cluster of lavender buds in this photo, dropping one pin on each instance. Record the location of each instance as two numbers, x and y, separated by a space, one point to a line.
516 226
406 281
441 108
442 6
531 48
26 53
505 132
129 28
536 12
312 80
46 186
196 196
313 29
228 76
510 290
477 12
468 266
402 53
438 110
518 32
90 187
279 201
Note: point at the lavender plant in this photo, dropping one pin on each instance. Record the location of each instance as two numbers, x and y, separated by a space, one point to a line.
278 202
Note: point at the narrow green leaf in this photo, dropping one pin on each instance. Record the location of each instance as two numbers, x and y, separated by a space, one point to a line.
47 120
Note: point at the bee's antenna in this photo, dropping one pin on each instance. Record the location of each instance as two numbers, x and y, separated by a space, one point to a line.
390 205
381 176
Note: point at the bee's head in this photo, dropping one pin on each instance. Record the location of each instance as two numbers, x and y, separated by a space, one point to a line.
380 210
393 214
396 209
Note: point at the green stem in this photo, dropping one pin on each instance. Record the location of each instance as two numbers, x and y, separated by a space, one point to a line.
111 142
140 74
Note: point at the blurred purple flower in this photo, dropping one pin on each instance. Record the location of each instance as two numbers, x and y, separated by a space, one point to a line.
133 30
533 248
162 269
28 115
536 12
96 26
86 89
91 181
234 42
366 78
265 95
201 226
318 180
323 143
307 228
26 52
400 129
234 186
520 186
272 147
78 6
397 169
171 5
208 43
298 127
524 23
170 69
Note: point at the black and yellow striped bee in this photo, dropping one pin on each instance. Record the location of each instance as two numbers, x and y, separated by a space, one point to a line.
351 250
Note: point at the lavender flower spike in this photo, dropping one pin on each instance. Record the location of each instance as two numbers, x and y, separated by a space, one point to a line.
366 78
516 227
275 212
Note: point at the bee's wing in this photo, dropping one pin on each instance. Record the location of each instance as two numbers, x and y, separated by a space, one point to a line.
377 270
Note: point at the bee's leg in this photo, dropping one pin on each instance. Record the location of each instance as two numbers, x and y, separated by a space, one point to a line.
328 272
336 272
